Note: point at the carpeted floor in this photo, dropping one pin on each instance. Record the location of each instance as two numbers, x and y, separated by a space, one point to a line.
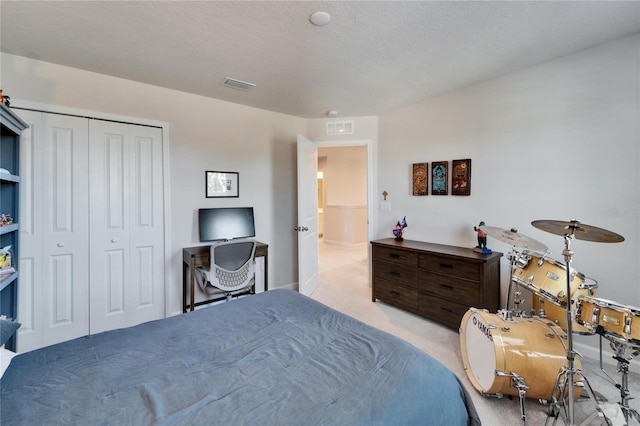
344 285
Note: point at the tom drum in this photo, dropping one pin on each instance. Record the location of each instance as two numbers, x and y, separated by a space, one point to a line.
548 278
618 322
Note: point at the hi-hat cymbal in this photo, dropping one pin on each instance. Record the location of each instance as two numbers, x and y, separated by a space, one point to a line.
579 230
511 236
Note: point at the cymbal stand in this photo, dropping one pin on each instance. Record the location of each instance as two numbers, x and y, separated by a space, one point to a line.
623 367
570 371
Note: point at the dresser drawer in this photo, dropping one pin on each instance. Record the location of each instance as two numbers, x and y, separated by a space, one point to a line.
445 312
396 273
450 266
403 257
462 291
395 295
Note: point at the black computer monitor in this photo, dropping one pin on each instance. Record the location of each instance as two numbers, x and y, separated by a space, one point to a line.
226 223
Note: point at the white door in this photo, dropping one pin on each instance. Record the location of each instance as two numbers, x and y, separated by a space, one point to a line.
127 223
307 226
54 255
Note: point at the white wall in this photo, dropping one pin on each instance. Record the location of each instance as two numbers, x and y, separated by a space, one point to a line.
205 134
554 142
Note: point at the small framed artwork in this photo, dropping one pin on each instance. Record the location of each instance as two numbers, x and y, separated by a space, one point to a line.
420 179
461 177
439 176
222 184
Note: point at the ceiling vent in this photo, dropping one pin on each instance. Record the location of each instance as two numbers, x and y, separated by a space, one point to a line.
344 127
237 84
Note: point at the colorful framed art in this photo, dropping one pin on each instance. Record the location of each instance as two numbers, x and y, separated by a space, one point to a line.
420 179
439 178
461 177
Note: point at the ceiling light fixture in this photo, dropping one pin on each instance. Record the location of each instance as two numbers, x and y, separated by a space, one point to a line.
332 113
320 18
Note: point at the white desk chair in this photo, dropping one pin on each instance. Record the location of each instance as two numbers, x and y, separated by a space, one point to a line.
231 268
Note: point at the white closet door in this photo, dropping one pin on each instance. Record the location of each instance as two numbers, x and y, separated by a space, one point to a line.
53 290
127 222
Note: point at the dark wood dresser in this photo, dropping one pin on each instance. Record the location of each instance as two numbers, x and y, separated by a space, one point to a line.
436 281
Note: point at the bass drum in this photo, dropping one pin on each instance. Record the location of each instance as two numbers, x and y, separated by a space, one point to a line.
493 348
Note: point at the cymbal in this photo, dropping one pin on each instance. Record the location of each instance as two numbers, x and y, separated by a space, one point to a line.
511 236
579 230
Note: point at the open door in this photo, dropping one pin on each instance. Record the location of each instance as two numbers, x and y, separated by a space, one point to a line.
307 226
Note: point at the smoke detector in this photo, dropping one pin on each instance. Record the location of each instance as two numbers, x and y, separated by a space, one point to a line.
320 19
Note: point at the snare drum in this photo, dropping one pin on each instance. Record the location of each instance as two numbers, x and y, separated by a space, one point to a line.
619 322
558 315
548 278
493 348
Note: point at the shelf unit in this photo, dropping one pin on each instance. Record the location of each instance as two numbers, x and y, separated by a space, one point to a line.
11 131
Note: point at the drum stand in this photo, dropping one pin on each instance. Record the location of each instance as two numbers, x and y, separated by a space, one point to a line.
623 367
516 259
564 391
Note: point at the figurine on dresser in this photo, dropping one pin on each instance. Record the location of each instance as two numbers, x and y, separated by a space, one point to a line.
399 229
482 239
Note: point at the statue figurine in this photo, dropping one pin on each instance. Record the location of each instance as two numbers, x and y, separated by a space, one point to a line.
482 239
399 229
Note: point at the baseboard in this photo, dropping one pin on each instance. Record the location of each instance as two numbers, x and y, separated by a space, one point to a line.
291 286
593 353
343 244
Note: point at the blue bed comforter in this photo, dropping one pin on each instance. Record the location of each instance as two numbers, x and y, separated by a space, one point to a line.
276 358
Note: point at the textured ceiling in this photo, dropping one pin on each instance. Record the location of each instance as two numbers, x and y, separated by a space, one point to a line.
371 58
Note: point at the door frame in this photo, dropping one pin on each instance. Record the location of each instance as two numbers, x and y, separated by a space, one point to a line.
372 217
166 181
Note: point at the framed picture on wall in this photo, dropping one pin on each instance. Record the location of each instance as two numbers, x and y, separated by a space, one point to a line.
222 184
461 177
439 176
420 179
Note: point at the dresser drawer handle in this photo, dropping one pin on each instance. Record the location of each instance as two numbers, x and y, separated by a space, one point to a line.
394 255
394 293
394 273
448 287
446 310
446 266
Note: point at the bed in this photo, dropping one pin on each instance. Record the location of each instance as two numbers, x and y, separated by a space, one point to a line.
276 358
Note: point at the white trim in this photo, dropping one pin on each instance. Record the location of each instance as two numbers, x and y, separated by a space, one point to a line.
55 109
371 172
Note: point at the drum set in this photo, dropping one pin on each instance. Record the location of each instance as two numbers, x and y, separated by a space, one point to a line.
530 354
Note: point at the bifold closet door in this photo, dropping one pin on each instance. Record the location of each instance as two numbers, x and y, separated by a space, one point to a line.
54 224
126 219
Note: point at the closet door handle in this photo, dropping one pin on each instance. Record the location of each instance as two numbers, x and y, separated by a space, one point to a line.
60 244
113 240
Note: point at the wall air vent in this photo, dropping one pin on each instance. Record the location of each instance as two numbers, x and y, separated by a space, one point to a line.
344 127
237 84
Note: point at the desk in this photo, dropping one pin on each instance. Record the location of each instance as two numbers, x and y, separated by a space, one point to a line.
199 256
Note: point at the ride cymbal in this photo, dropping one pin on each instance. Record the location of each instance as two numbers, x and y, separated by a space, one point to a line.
578 230
511 236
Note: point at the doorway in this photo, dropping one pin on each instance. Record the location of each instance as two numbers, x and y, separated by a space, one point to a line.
343 214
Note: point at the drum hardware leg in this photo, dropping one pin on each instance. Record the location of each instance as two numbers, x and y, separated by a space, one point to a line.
623 368
561 404
518 382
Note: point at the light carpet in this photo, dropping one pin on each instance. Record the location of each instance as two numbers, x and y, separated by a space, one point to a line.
344 285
